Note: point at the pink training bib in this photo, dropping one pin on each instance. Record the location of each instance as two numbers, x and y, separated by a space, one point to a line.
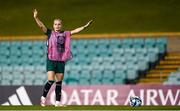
59 48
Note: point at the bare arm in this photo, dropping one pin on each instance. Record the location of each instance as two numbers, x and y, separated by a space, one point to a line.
39 23
77 30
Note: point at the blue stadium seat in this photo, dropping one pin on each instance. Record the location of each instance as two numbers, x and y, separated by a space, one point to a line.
15 51
17 82
92 43
84 81
129 51
83 59
173 78
40 76
143 58
74 75
127 43
29 69
3 60
119 81
152 54
132 59
16 44
141 51
107 81
6 69
5 82
38 60
18 69
108 74
108 60
18 76
119 74
150 42
115 44
6 44
121 67
161 43
106 64
96 74
38 51
95 61
98 60
161 40
72 82
131 74
82 42
26 52
85 74
94 81
103 42
142 65
27 44
38 82
6 76
138 43
29 77
102 50
131 65
38 45
15 60
4 51
118 60
119 52
28 82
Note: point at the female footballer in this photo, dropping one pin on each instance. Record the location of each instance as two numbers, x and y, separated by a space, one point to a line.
58 52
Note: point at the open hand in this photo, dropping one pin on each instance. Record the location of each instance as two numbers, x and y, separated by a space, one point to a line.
88 23
35 12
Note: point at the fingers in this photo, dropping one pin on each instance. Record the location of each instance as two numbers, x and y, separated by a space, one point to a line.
35 13
90 21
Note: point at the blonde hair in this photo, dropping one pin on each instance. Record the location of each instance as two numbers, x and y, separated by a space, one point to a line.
58 19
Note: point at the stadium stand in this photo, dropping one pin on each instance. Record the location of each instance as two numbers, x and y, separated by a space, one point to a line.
95 61
173 78
167 66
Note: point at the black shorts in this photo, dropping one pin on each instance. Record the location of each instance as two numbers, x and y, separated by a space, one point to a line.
56 66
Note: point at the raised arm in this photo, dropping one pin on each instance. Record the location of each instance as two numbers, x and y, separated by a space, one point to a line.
77 30
39 23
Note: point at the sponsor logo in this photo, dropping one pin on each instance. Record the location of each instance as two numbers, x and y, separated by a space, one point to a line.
19 98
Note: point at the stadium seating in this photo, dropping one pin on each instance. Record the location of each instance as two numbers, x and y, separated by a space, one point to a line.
95 61
173 78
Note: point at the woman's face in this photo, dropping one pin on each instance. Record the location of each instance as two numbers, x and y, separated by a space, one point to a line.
57 25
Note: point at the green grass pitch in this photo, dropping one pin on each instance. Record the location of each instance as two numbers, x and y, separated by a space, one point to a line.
85 108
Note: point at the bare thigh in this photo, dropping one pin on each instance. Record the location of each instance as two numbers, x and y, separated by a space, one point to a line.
59 76
51 75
